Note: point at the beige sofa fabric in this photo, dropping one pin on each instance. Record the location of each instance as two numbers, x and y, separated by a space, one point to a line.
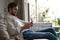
3 31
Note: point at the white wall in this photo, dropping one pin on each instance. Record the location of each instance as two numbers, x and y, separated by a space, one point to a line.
3 5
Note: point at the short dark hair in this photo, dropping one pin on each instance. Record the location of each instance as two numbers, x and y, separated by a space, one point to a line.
11 5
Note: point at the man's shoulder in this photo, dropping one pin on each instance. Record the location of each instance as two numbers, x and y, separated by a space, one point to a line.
9 17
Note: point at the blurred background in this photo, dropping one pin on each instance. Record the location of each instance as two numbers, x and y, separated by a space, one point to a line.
46 11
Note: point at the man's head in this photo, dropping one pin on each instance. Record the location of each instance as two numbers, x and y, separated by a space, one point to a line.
13 8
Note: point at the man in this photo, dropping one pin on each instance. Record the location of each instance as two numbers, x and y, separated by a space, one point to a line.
15 26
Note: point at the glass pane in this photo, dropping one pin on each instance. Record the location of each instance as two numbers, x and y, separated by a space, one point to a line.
45 11
32 5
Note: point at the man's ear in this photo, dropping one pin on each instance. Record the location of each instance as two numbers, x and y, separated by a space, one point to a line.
9 9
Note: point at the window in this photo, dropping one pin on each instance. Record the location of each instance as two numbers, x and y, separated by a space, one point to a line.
44 10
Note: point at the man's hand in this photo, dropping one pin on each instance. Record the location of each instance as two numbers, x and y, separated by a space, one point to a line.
27 25
31 24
